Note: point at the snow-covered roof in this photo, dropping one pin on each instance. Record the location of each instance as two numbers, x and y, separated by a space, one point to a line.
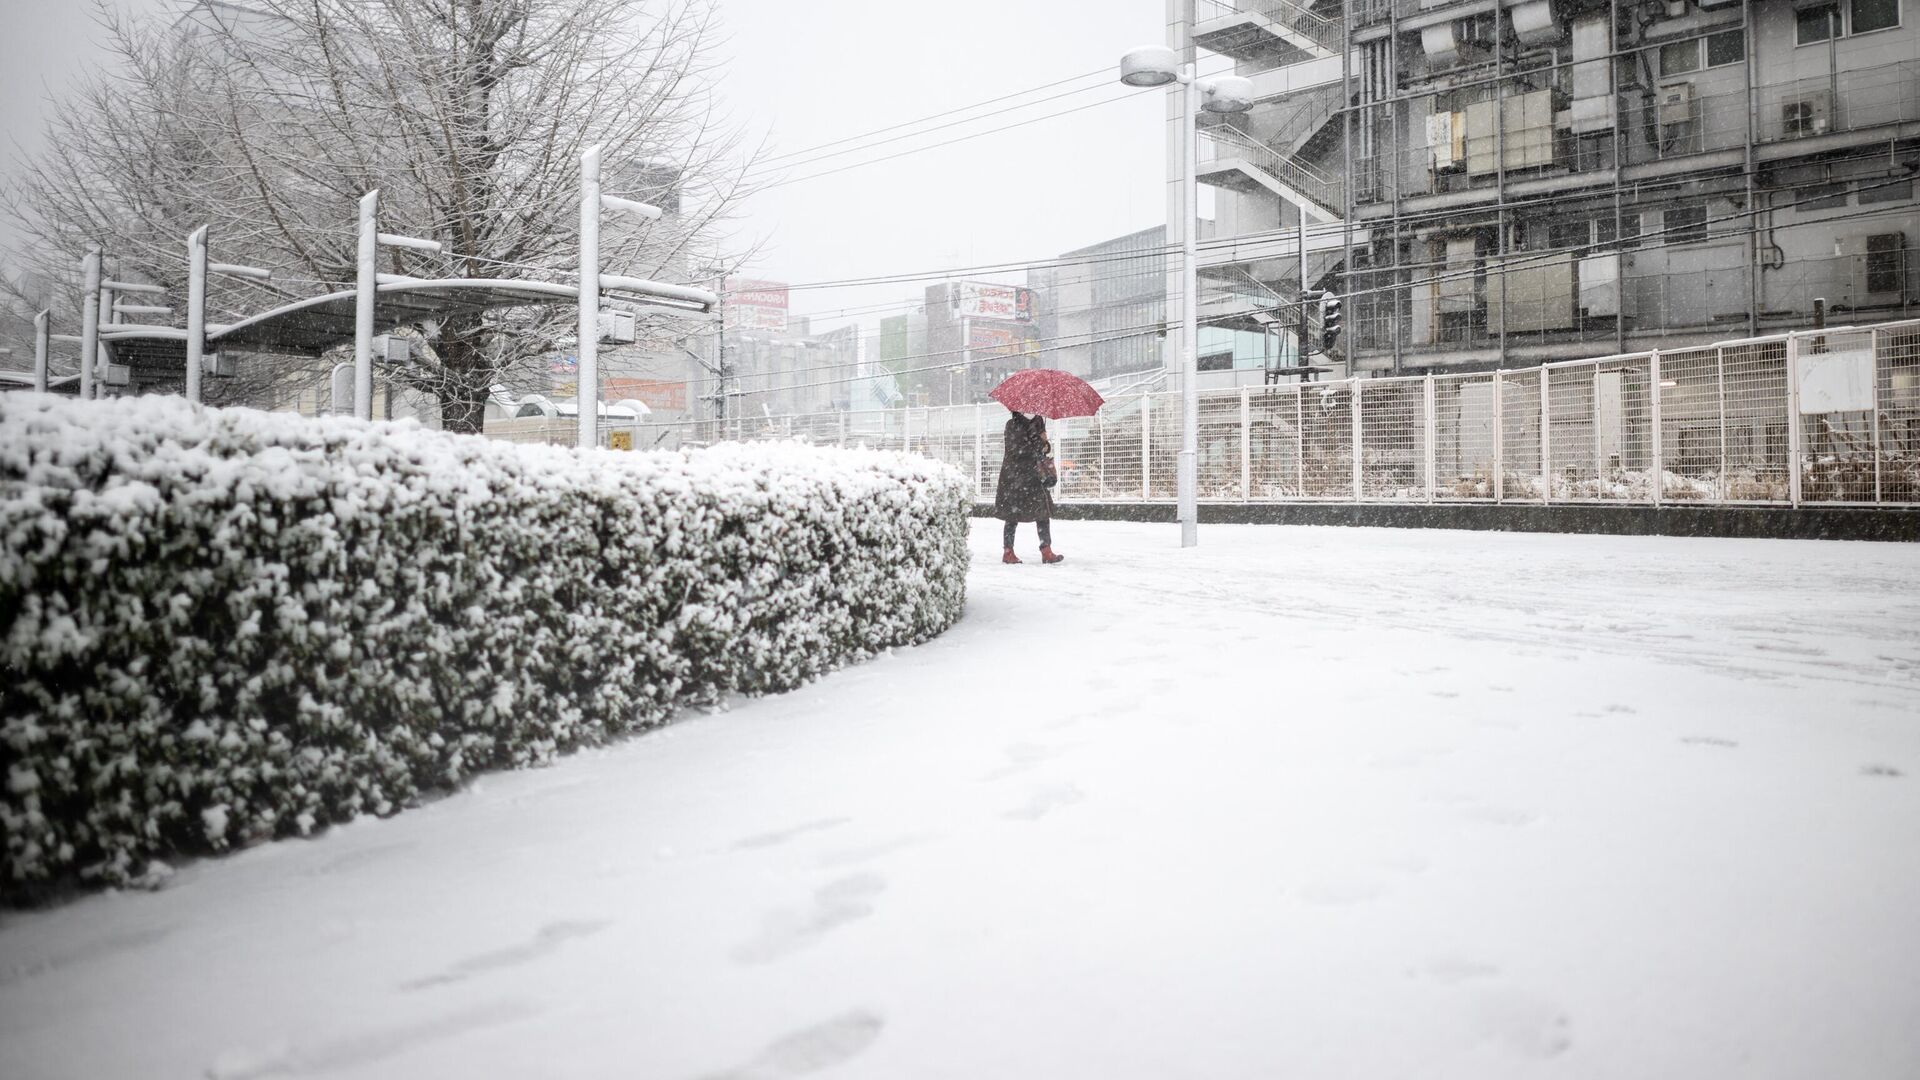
320 322
23 380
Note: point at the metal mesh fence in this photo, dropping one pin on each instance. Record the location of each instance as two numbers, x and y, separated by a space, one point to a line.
1463 437
1275 421
1520 443
1837 415
1829 416
1897 389
1393 439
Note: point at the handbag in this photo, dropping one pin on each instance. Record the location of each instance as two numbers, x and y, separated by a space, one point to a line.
1049 474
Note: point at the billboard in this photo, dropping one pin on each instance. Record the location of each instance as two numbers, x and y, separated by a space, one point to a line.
660 395
981 300
756 305
990 340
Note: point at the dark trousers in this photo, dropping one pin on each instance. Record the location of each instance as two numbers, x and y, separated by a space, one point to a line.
1045 527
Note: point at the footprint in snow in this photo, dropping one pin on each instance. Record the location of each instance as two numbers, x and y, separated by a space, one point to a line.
1880 770
546 941
1497 815
362 1048
781 836
1045 800
809 1050
1022 756
788 930
1709 740
366 856
1341 891
1523 1023
854 856
1450 970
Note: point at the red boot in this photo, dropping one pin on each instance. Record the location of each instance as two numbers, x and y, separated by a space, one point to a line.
1009 557
1047 555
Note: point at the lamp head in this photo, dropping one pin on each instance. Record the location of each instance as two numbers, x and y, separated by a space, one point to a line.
1150 65
1227 94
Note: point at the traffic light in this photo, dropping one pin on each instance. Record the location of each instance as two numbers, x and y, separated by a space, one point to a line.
1309 299
1329 321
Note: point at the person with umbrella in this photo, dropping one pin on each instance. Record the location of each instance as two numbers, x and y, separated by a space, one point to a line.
1026 468
1026 472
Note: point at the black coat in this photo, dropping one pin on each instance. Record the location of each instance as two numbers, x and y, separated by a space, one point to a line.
1022 494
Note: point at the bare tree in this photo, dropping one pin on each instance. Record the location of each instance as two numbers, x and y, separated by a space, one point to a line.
269 121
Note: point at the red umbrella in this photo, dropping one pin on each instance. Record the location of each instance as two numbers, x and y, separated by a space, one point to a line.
1052 393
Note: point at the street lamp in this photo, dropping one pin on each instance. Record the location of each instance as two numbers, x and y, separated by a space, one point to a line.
197 269
586 387
366 284
1157 65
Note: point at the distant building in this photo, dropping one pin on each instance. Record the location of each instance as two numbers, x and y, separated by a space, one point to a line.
1543 179
978 333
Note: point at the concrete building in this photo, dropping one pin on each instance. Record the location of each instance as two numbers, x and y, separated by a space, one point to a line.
1522 181
1110 306
977 334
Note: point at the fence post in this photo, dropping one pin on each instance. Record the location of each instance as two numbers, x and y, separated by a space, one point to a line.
1720 391
1146 446
1300 435
1793 419
1431 428
1659 444
1246 444
1874 338
979 451
906 429
1355 401
1499 436
1100 428
1593 421
1546 439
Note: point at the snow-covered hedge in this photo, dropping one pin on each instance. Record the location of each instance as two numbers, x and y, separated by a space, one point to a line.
218 626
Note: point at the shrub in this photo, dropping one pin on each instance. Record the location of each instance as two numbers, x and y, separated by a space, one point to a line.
220 626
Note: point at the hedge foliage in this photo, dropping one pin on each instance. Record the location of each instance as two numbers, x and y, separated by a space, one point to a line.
220 626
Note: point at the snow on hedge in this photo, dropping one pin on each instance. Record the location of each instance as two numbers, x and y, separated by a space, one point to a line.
219 626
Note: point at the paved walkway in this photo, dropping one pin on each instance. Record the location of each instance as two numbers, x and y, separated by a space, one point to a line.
1300 802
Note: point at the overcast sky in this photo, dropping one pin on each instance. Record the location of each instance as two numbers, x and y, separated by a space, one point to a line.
807 73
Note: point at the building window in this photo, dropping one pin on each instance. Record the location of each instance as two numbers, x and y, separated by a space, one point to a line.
1815 24
1679 57
1880 191
1885 256
1686 224
1725 48
1562 235
1820 197
1870 15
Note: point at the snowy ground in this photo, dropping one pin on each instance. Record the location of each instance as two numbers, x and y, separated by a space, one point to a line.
1302 802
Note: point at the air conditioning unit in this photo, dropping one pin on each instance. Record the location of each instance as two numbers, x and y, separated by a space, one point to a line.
1875 270
617 327
391 349
1811 115
1676 103
1676 9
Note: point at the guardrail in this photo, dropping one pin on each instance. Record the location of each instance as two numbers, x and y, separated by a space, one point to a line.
1822 417
1325 32
1221 143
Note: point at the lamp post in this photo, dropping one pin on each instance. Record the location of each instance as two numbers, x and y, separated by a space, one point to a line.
197 270
42 344
1157 65
587 353
366 284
